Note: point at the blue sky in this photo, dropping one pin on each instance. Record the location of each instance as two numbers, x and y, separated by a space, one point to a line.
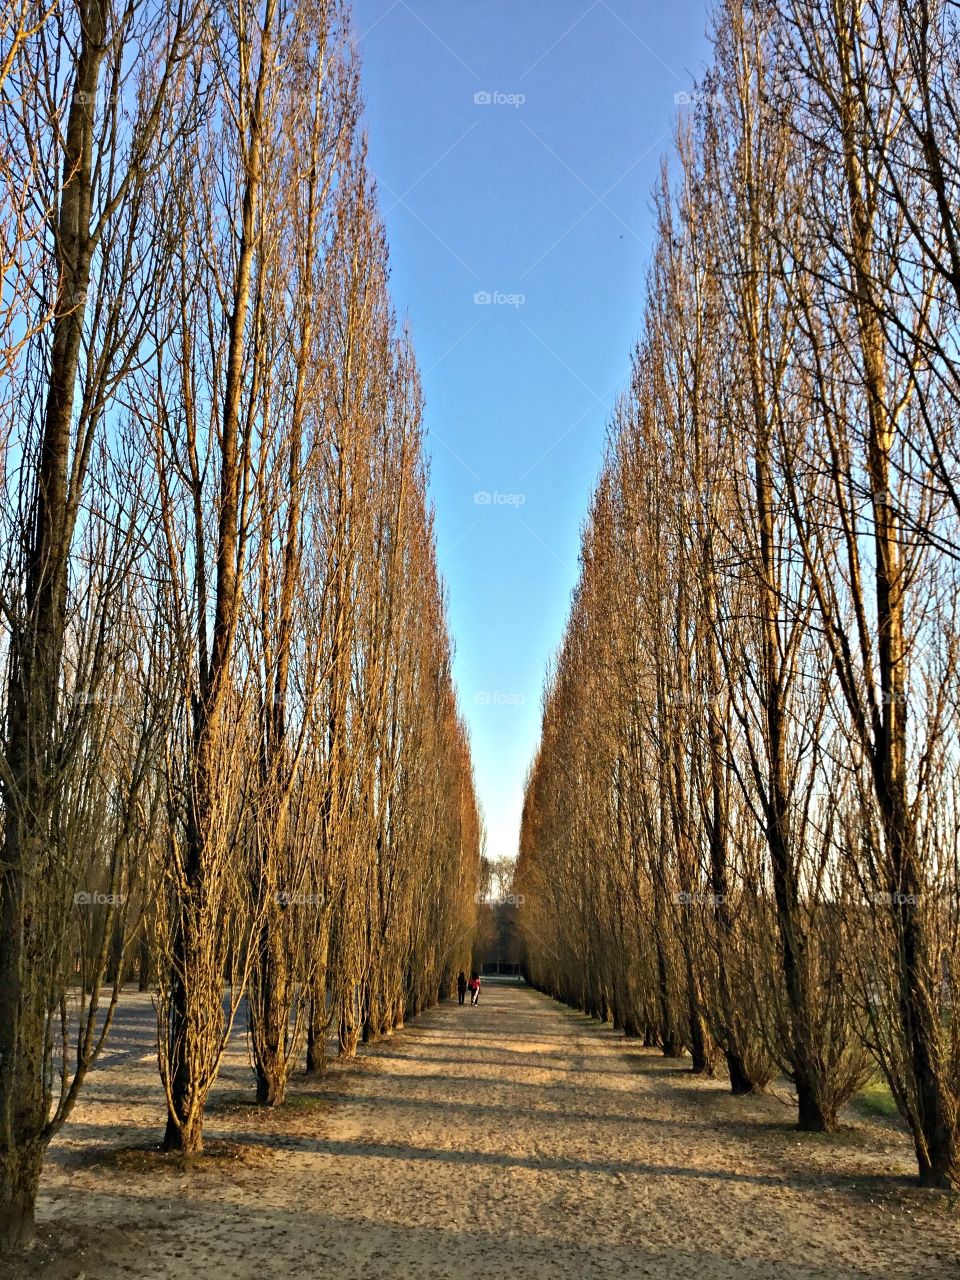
515 144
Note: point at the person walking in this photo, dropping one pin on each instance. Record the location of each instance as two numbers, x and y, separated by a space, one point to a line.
461 985
474 985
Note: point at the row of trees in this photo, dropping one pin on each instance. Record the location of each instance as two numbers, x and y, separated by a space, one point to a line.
230 737
740 833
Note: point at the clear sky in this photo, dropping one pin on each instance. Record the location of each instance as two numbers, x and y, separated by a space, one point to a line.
515 144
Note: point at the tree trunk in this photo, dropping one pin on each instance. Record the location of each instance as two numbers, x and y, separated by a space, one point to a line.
190 1078
36 645
269 1038
188 1136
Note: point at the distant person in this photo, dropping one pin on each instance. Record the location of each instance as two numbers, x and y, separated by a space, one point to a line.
474 985
461 985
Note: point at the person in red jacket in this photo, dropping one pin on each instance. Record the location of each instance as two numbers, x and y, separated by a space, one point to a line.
474 985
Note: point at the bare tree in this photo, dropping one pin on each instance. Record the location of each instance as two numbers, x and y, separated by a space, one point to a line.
88 107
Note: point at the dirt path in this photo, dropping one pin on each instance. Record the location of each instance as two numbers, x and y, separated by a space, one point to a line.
515 1139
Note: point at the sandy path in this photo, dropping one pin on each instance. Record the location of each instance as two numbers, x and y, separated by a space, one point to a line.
515 1139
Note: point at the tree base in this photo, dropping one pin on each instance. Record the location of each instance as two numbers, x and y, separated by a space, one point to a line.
186 1138
17 1224
271 1091
19 1180
812 1117
740 1082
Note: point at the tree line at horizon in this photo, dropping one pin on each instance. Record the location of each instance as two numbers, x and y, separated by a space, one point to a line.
231 749
741 832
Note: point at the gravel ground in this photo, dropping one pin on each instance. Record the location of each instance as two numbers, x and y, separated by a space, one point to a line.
517 1139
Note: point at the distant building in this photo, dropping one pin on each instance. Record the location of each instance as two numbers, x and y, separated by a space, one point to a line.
498 948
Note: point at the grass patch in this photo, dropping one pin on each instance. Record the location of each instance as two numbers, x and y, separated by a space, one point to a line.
308 1102
875 1099
243 1106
